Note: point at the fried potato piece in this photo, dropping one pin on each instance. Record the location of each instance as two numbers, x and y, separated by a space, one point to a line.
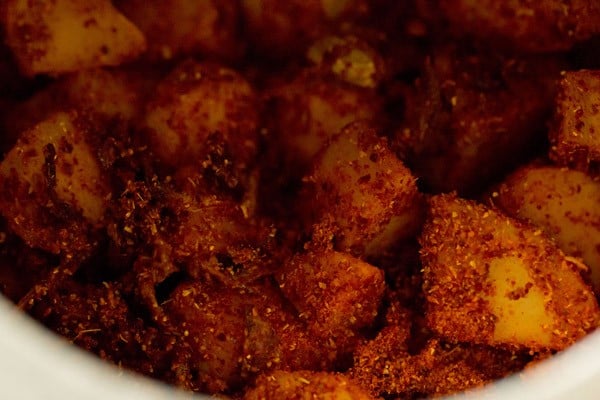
214 236
58 36
196 102
333 292
237 333
575 133
214 323
52 174
305 385
473 116
385 369
283 29
185 28
563 203
526 25
308 111
358 185
493 280
106 95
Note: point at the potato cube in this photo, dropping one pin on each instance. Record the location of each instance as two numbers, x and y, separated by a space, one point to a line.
437 368
196 102
369 194
308 112
108 95
545 26
58 36
214 237
283 29
240 332
52 166
184 28
489 279
305 385
562 202
473 116
332 290
575 135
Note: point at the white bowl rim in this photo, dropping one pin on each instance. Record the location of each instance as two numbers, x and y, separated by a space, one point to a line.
35 364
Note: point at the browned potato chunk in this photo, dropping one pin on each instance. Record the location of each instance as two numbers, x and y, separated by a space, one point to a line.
182 27
575 135
58 36
490 279
532 26
107 95
473 116
564 203
308 111
305 385
214 322
214 236
52 173
238 333
285 28
195 103
360 186
333 291
386 369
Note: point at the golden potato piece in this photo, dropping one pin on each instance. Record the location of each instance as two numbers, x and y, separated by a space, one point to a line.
52 166
215 237
370 196
106 94
308 111
575 134
238 333
562 202
493 280
284 29
305 385
196 102
384 368
473 116
184 28
58 36
532 26
333 291
214 323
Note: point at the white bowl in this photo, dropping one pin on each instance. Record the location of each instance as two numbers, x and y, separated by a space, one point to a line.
36 364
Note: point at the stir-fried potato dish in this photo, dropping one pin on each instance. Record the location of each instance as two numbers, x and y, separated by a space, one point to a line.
323 199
